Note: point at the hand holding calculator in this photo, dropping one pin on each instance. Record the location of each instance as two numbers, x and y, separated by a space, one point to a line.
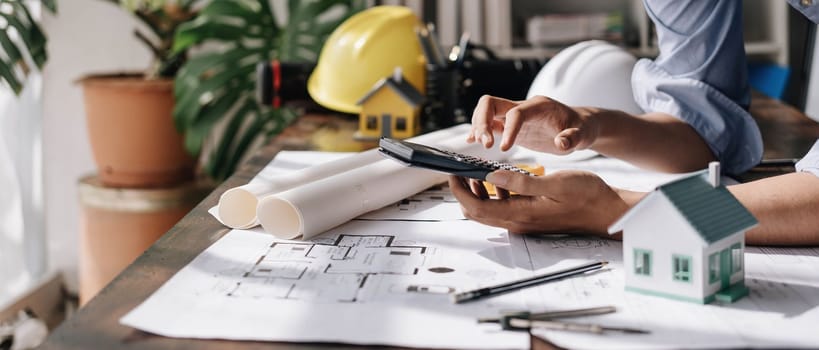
416 155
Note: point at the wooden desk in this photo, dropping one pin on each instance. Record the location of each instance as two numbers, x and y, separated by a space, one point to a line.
787 133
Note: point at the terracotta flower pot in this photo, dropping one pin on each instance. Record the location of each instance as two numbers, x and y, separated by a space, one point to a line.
133 137
118 224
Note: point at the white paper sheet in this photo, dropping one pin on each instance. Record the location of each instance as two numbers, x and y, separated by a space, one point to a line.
614 172
364 282
782 310
224 293
376 282
435 204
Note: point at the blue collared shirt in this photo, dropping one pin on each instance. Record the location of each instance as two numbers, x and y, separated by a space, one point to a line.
700 76
810 163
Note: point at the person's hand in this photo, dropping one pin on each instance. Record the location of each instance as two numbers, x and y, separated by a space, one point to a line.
561 202
539 124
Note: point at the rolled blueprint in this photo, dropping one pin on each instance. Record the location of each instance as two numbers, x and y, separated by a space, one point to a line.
313 208
237 206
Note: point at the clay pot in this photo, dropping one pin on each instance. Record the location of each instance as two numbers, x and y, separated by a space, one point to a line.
118 224
133 138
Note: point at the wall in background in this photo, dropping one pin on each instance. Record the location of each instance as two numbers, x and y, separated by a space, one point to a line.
86 36
22 236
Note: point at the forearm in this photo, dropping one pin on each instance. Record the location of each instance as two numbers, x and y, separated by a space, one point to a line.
654 141
786 206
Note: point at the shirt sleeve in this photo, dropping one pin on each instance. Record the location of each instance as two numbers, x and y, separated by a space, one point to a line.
810 163
700 76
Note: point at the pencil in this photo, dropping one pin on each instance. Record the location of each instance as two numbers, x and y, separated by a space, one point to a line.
524 283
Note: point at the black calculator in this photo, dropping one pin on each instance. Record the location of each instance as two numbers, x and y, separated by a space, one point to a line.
416 155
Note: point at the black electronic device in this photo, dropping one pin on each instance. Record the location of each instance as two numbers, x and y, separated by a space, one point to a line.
417 155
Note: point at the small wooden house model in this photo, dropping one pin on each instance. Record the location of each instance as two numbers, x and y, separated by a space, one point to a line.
392 108
686 241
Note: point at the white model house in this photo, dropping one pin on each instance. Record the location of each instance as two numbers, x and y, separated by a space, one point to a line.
686 241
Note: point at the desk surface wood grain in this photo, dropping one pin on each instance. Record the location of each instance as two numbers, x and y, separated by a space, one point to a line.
786 133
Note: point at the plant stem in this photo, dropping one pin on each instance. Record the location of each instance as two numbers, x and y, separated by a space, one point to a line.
144 39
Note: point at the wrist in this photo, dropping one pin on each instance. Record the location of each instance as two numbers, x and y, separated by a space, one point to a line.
593 120
630 198
610 127
612 210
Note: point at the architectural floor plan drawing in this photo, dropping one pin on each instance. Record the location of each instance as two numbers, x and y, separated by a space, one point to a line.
365 282
336 272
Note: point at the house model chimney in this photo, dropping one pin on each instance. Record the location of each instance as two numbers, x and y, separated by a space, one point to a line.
397 75
713 174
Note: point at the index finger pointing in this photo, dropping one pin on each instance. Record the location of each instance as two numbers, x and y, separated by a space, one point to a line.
489 109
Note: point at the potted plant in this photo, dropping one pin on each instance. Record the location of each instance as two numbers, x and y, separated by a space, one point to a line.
22 42
129 115
217 87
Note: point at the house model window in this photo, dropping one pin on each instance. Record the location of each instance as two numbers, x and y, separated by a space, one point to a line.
681 266
642 262
686 241
713 268
372 122
736 257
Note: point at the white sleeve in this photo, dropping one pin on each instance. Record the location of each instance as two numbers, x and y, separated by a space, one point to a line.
810 163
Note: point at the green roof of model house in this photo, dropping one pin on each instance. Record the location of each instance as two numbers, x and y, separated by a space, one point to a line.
713 211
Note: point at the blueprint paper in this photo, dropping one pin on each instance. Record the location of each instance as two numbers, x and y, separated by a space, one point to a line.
782 310
362 283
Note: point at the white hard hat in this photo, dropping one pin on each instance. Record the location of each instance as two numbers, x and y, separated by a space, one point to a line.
590 74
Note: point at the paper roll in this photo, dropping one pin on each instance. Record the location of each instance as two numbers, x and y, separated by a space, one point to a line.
313 208
237 206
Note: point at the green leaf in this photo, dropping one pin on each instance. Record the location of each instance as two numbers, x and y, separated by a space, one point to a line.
30 33
189 103
51 5
306 29
12 52
10 78
248 135
197 32
219 159
30 48
219 87
208 116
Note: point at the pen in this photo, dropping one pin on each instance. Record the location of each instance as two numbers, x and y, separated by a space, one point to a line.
524 283
570 326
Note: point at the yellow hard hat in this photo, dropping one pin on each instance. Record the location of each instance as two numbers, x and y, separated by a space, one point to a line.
361 51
